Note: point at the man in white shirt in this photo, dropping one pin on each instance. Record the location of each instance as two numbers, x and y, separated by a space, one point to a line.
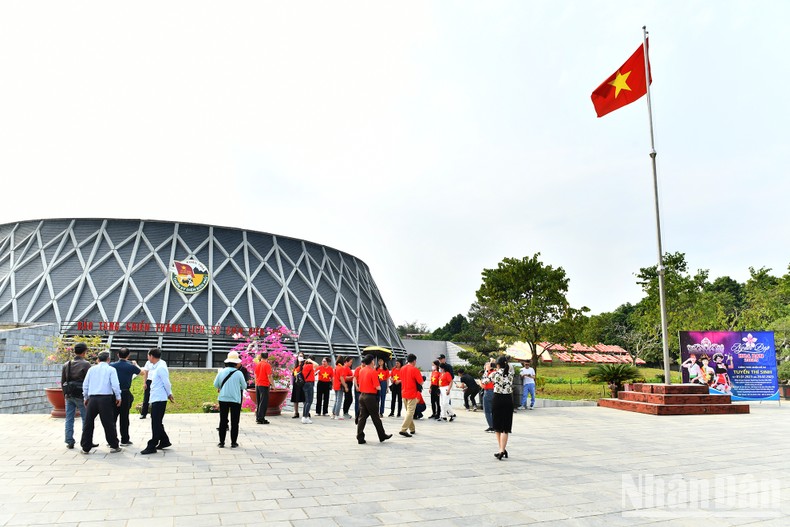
102 393
161 392
528 378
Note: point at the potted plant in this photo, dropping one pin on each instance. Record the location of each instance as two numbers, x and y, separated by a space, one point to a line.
614 375
59 352
783 372
271 341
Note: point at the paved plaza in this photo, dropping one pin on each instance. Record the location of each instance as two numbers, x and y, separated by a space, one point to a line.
568 466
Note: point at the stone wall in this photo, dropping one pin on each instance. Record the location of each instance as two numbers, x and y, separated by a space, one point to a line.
23 375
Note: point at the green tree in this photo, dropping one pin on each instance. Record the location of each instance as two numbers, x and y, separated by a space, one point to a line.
525 298
412 328
457 325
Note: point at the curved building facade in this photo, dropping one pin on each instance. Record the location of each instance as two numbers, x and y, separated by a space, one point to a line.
187 288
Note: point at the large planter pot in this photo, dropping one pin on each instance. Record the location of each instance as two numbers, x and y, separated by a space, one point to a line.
276 399
784 389
58 402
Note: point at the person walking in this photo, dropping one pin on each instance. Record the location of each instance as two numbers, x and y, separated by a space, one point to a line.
102 394
502 378
161 393
72 378
445 387
145 374
396 388
126 370
230 384
528 380
488 394
324 375
411 386
263 381
368 404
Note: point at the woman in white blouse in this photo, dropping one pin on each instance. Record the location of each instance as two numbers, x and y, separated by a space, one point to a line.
502 405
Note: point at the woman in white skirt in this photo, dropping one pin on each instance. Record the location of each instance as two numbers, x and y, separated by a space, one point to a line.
445 387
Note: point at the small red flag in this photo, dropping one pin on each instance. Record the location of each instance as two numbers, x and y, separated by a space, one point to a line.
624 86
183 269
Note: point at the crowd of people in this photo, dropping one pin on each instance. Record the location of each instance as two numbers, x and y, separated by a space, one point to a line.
104 390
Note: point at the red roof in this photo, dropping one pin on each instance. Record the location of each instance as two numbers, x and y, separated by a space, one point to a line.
582 348
548 346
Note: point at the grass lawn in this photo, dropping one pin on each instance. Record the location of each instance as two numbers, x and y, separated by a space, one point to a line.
570 382
191 388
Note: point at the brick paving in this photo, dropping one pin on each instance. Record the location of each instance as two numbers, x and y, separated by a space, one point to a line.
566 467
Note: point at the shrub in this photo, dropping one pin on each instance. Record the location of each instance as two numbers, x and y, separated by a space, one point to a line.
613 374
783 372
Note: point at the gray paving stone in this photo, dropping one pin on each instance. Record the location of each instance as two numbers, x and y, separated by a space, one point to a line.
566 467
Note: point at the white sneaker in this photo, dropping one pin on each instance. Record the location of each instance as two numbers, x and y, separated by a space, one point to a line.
308 421
304 420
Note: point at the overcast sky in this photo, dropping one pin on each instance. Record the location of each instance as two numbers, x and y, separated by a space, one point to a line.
429 139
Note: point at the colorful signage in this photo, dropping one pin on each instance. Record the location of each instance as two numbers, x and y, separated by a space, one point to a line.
741 364
189 276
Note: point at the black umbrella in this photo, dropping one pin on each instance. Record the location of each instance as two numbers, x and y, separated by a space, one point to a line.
378 352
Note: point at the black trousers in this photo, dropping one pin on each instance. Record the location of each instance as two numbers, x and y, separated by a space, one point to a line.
469 395
322 400
122 414
104 407
158 434
146 395
396 396
436 407
234 409
369 406
262 394
348 400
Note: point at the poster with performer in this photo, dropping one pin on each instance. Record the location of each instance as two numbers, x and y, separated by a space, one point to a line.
741 364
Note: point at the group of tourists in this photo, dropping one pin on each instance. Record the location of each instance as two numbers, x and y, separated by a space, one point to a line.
103 390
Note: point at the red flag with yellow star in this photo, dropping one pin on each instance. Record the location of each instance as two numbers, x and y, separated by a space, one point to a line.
624 86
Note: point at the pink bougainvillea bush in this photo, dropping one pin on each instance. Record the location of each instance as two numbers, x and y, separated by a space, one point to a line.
266 340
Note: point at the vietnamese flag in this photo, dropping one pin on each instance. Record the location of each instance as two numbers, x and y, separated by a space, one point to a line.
624 86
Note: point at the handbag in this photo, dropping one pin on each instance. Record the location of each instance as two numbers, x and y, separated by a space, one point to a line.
71 388
299 380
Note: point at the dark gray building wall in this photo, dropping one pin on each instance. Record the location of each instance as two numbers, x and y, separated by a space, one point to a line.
67 271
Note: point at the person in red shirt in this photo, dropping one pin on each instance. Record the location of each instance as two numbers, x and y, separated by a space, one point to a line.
369 386
411 386
348 398
308 370
324 376
263 381
339 387
445 386
384 374
488 395
435 406
356 393
395 388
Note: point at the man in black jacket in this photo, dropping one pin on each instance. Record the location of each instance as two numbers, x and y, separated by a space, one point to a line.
71 378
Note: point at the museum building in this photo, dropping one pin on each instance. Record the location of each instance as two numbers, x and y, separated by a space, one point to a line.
187 288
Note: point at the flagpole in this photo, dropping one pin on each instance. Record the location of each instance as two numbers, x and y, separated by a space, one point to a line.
660 269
